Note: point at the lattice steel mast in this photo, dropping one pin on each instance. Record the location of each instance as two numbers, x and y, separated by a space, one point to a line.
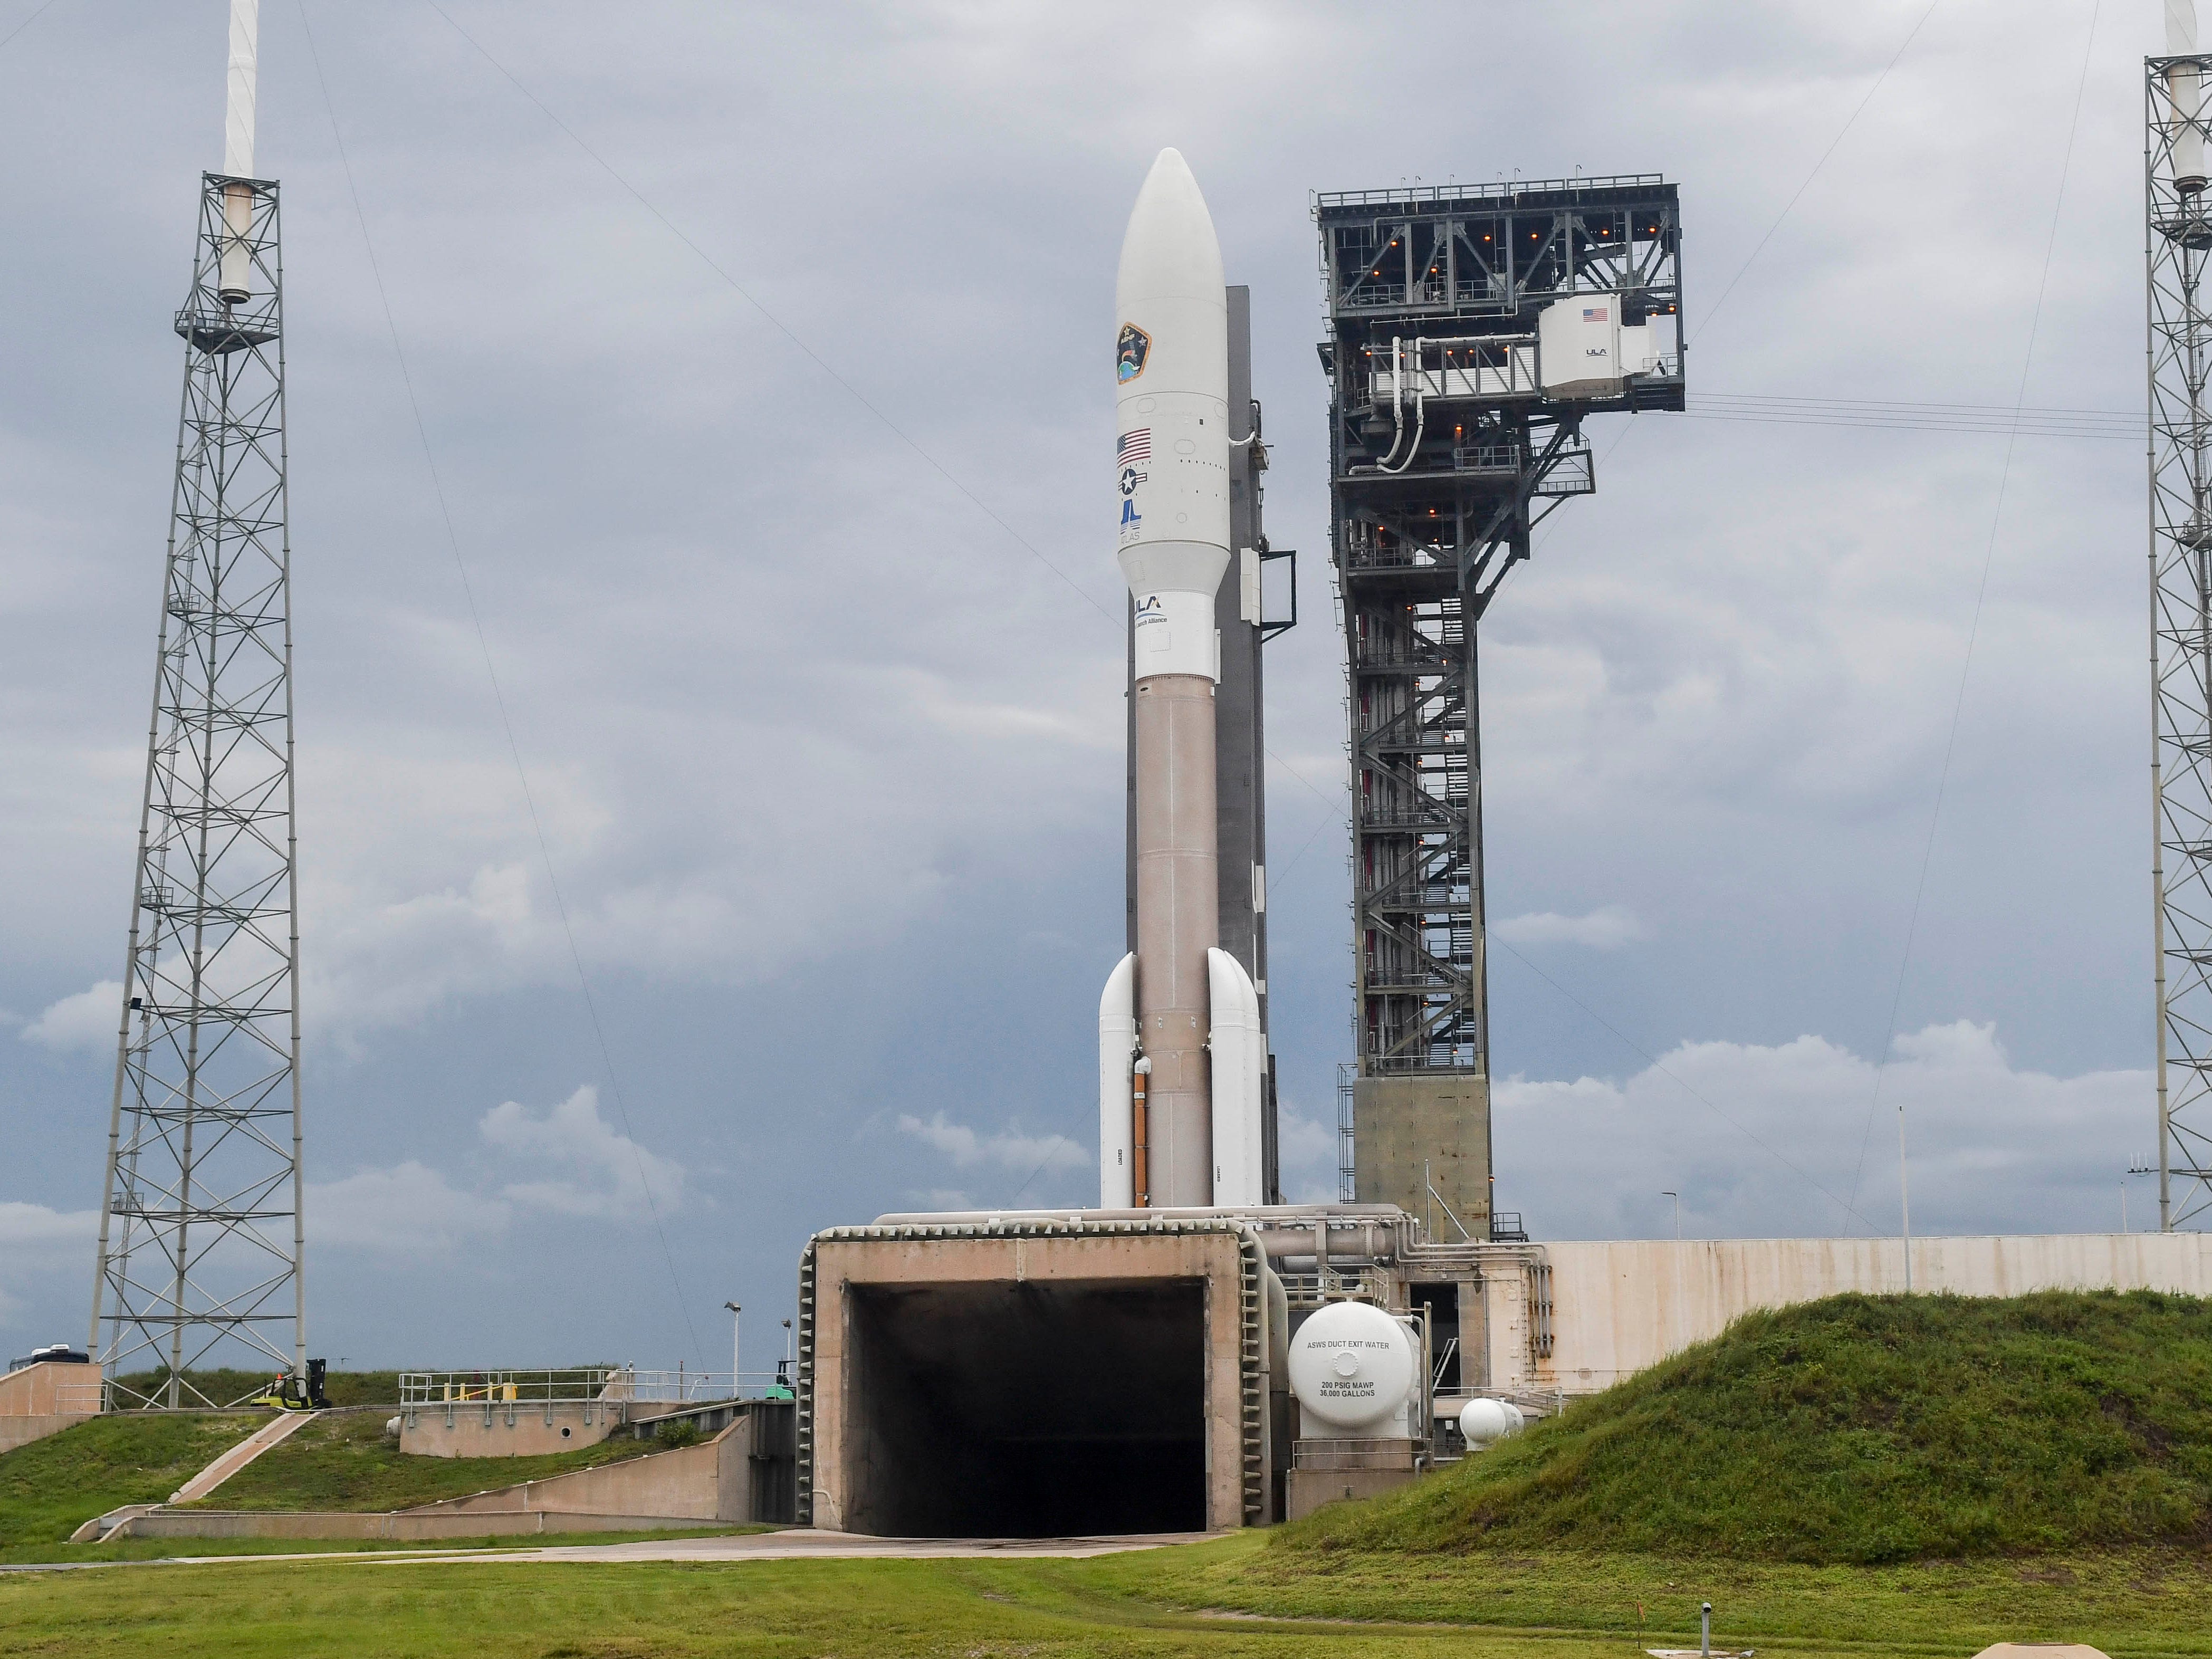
2179 241
200 1234
1453 431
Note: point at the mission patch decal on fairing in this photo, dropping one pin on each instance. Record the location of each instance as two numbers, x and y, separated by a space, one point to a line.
1129 356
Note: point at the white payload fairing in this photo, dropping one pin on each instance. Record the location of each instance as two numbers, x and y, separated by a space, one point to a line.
1182 1057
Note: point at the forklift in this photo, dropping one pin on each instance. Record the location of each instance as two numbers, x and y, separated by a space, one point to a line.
288 1393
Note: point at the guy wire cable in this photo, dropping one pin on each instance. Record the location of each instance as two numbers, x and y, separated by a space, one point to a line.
499 696
1974 627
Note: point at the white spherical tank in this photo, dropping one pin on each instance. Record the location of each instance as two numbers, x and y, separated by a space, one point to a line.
1352 1367
1486 1422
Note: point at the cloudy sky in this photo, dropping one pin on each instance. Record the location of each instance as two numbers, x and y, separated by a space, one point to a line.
724 390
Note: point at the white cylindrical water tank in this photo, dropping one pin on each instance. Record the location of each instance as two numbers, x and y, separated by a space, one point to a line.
1353 1369
1486 1422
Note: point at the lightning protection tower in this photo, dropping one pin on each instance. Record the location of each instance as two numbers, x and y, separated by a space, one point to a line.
2179 241
1471 331
200 1234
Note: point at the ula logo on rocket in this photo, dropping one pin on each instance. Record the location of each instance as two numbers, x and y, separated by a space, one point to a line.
1129 356
1150 609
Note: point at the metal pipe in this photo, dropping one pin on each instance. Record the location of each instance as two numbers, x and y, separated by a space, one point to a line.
1140 1135
238 150
238 112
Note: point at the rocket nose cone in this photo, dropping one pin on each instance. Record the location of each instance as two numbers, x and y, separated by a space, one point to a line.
1169 172
1170 247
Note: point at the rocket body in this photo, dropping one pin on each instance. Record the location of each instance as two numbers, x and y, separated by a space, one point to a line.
1171 494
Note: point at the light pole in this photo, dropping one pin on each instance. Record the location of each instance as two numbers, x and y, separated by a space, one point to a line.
1677 1197
737 1366
2135 1169
786 1342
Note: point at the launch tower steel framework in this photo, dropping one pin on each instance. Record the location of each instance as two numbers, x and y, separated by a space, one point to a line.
200 1230
2178 242
1445 454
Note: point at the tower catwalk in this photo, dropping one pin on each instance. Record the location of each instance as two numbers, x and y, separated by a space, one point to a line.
200 1229
2179 241
1471 330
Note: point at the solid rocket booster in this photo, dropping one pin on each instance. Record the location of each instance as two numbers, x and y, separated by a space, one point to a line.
1180 1052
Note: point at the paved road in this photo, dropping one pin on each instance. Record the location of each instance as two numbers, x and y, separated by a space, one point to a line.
798 1544
805 1544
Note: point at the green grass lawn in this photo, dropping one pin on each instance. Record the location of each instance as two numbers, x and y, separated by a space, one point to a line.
2139 1601
1861 1477
341 1461
166 1549
1236 1597
50 1487
345 1462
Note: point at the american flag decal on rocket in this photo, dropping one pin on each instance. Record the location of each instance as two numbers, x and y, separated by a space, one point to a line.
1135 446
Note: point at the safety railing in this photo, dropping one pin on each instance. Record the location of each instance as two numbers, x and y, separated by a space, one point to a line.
1453 380
609 1385
1312 1289
1503 189
1352 1454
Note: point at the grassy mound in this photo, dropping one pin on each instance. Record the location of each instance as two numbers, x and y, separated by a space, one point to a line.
50 1487
1855 1430
343 1460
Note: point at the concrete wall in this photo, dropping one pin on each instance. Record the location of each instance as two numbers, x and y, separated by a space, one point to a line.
403 1526
1619 1306
1307 1490
704 1483
477 1428
847 1269
719 1481
1402 1126
44 1399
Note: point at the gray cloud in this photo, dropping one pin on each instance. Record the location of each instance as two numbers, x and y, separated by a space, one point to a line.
1009 1149
593 1170
825 756
1606 928
409 1209
1790 1137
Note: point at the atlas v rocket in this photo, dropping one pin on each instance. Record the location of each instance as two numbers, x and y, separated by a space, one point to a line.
1182 1057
